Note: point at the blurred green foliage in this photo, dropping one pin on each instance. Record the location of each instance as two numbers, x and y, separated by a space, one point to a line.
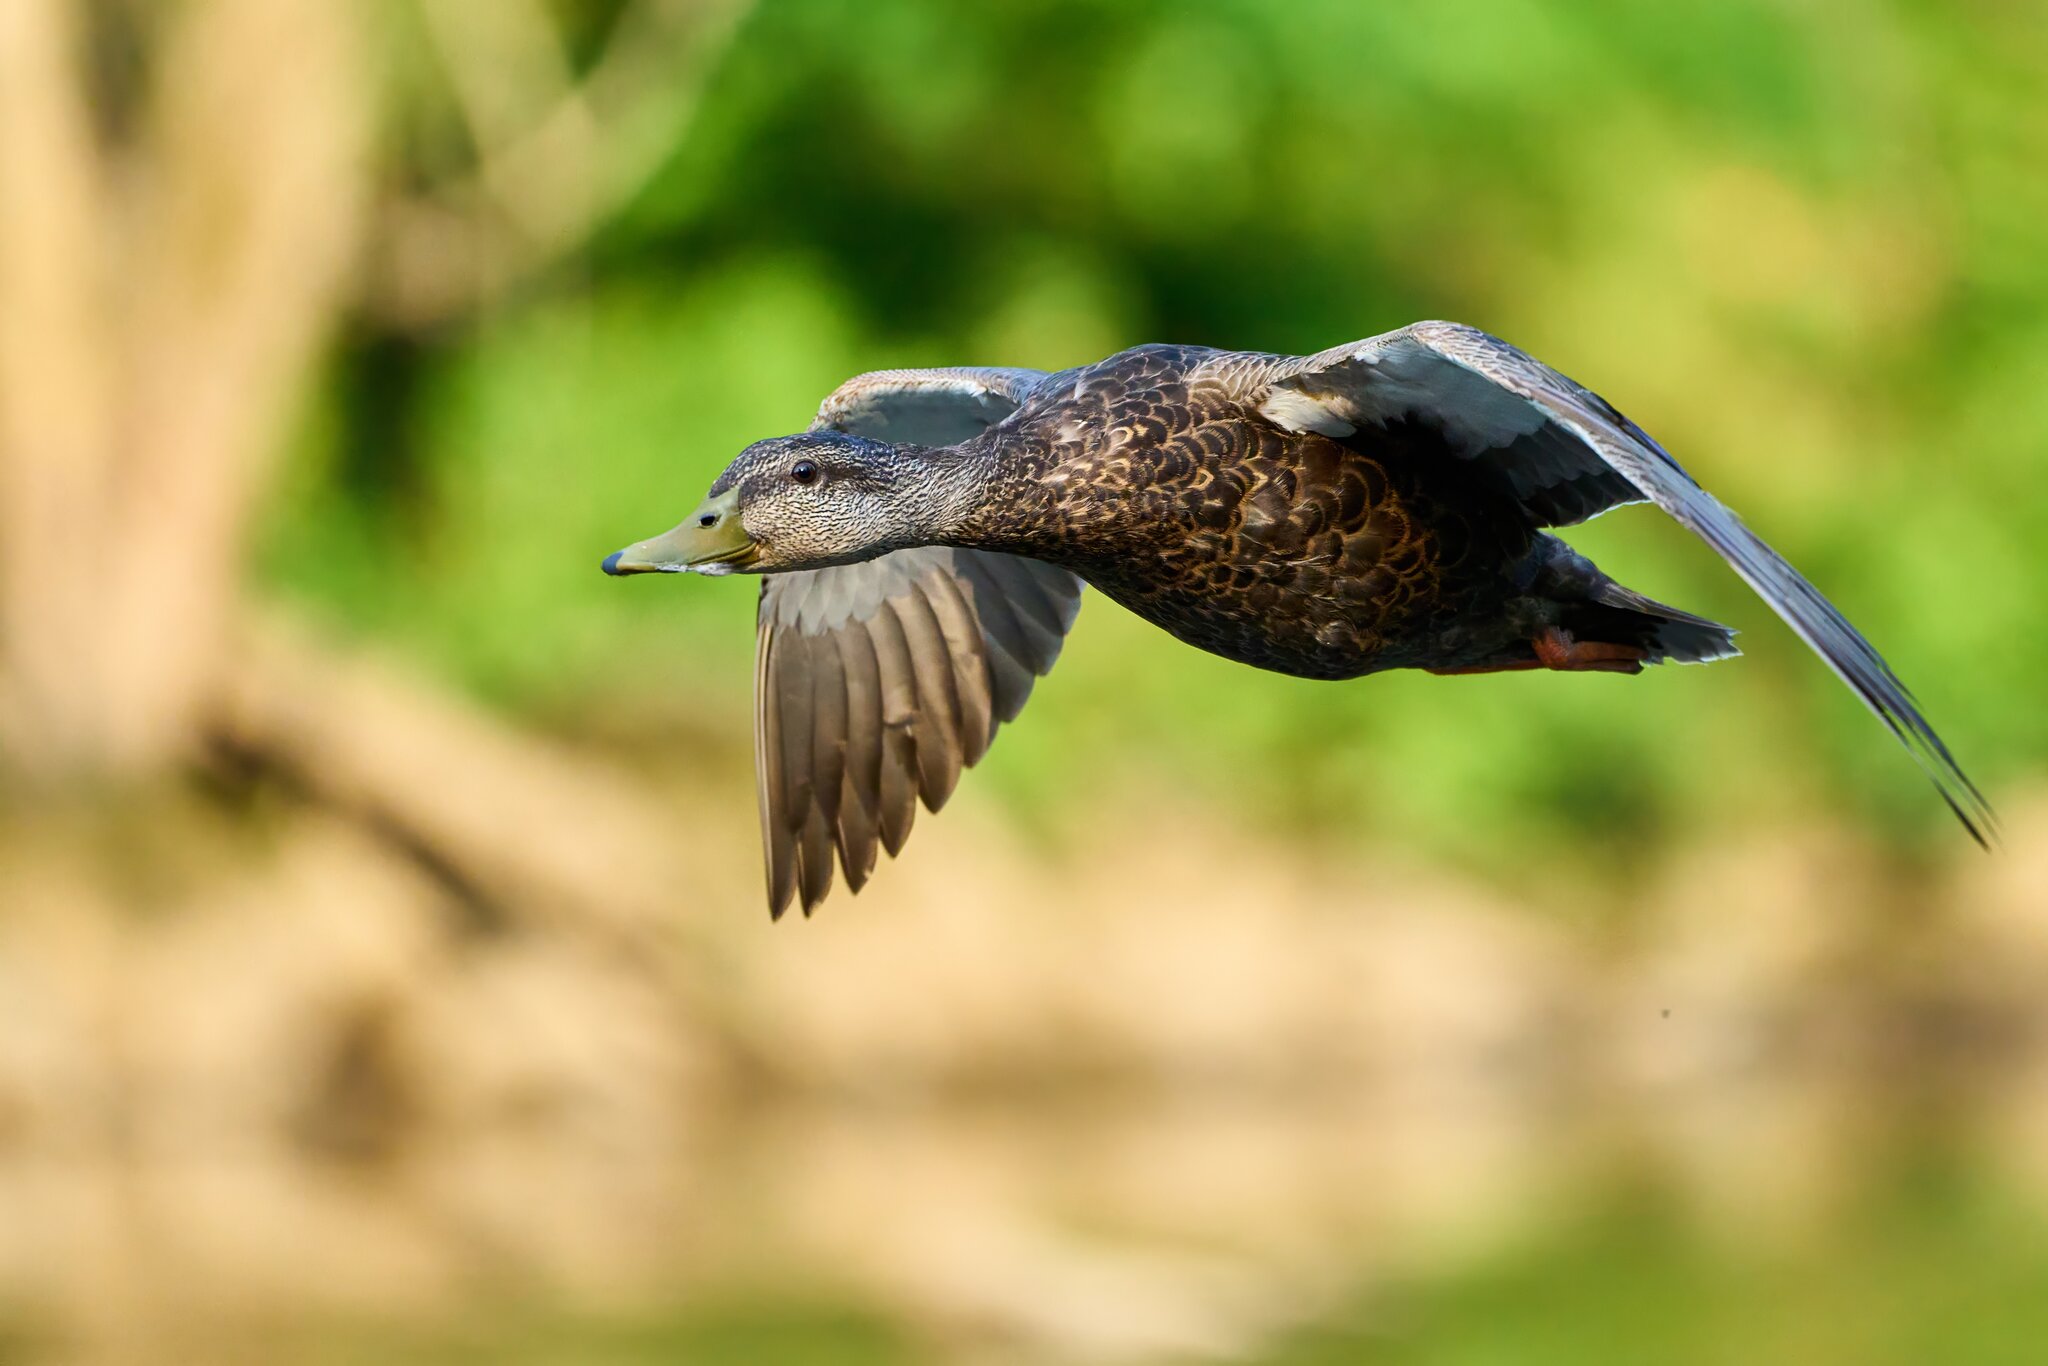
1801 244
1931 1270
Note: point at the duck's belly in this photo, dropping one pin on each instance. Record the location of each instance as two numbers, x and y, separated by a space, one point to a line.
1311 558
1317 628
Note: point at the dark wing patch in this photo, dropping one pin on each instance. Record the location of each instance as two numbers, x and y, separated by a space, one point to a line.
1568 454
875 685
1522 449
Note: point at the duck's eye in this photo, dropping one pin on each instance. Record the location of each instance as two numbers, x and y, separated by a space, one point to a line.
804 472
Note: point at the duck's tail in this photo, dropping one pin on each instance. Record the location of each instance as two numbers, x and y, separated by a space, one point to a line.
1615 615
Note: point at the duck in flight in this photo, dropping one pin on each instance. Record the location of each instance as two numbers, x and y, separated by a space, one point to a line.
1381 505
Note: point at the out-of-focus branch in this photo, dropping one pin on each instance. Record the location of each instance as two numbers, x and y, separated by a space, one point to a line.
537 830
55 379
244 236
540 142
504 60
556 157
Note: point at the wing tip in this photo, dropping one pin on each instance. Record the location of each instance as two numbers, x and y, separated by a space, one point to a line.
1894 705
1965 801
1978 819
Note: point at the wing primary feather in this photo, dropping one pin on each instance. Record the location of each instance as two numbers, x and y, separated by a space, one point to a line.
778 851
937 725
1010 681
793 702
861 798
971 661
1028 596
896 787
1062 590
814 859
1016 617
857 846
828 724
1011 666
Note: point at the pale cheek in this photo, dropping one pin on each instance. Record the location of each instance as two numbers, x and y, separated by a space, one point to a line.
796 535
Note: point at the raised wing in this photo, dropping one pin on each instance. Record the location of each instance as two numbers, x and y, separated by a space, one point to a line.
930 407
1566 454
876 683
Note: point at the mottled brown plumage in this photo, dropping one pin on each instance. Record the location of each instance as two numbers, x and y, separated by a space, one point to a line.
1380 505
1150 477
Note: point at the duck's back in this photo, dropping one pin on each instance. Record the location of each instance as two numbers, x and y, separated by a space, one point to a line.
1149 476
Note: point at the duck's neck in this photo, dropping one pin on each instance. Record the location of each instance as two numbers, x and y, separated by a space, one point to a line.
1015 496
961 486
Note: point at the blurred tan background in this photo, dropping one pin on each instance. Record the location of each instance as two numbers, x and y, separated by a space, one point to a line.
383 974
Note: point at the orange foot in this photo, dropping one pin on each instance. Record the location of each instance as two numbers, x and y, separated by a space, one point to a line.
1555 649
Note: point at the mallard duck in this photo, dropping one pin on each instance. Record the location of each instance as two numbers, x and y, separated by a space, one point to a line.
1380 505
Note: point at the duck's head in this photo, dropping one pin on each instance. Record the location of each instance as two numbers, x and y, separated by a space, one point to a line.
799 502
